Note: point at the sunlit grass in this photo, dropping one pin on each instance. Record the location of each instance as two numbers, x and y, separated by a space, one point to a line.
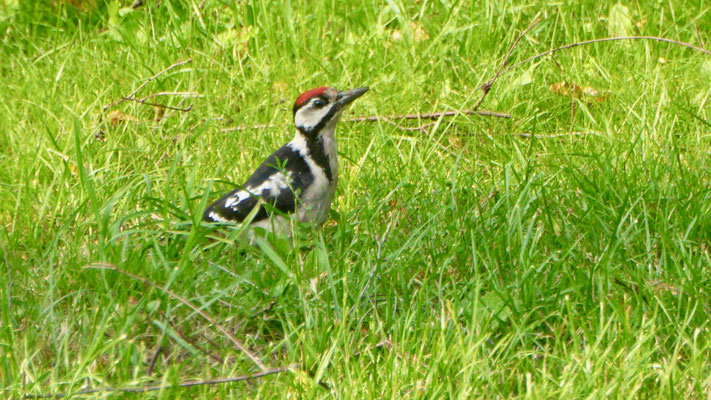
461 261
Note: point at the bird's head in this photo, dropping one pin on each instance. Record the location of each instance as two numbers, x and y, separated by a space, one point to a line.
319 109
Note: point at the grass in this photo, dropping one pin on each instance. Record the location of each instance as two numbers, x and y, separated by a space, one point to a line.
497 265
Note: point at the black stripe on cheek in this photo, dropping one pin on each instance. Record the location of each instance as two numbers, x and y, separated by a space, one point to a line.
324 120
315 144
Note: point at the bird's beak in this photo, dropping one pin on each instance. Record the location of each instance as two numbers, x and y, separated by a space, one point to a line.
346 97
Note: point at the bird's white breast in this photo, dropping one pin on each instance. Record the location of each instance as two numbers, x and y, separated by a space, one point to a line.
316 198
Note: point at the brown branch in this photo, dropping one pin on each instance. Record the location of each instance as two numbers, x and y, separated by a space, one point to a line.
486 87
154 359
434 115
555 135
244 128
130 96
190 107
485 113
389 118
610 39
234 340
194 94
408 128
192 343
698 36
218 381
414 128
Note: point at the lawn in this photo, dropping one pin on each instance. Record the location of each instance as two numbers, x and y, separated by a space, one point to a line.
564 252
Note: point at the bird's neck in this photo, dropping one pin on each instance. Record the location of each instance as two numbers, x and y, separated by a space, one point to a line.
321 149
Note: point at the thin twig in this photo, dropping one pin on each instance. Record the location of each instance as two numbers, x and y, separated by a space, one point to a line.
190 107
217 381
555 135
424 127
698 36
244 128
234 340
434 115
130 96
174 65
485 113
194 94
408 128
610 39
486 87
389 118
192 343
154 359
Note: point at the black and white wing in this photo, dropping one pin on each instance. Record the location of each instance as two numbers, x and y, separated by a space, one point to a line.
278 181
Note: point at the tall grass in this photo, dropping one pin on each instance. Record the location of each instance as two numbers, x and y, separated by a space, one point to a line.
460 261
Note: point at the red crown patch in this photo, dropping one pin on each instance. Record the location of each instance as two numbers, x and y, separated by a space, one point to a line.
304 97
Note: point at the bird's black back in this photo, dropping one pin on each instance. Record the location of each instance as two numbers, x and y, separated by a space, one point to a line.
285 161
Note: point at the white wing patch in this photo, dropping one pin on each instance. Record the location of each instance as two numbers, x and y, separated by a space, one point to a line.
217 217
275 184
237 198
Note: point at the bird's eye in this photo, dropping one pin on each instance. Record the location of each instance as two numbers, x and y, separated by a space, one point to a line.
318 103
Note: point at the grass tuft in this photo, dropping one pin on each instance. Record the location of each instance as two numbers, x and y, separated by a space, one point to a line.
462 261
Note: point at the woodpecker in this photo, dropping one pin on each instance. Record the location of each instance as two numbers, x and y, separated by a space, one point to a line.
299 179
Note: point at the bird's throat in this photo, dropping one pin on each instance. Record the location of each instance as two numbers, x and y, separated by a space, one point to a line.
321 149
